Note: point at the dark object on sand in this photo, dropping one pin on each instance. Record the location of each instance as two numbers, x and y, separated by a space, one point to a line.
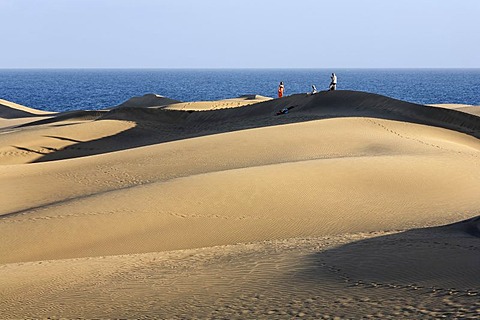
284 110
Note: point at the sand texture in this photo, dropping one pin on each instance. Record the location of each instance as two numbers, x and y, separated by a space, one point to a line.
351 205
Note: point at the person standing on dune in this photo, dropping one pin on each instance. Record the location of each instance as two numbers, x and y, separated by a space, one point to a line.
333 83
281 89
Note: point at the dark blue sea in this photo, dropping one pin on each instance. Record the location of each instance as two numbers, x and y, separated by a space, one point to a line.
73 89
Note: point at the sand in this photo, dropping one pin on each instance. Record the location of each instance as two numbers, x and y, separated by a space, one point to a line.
467 108
12 110
216 105
352 205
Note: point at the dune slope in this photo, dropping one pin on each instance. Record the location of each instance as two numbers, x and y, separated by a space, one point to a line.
294 180
157 125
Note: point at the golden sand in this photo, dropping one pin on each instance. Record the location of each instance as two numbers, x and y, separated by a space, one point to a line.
351 205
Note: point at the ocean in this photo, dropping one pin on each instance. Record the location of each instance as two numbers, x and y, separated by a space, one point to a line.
75 89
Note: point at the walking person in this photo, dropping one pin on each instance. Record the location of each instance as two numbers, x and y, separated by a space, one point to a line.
333 82
281 89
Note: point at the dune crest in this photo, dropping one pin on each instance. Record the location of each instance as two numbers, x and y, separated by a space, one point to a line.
11 110
475 110
241 101
146 101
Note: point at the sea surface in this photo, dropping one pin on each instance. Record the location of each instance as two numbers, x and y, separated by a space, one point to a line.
74 89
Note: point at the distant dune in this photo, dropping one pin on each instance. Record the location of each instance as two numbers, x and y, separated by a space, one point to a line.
342 203
475 110
148 100
220 104
11 110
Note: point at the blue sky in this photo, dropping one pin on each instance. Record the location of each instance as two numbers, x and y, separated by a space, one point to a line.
239 34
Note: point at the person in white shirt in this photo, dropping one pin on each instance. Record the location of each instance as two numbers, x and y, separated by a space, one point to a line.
333 83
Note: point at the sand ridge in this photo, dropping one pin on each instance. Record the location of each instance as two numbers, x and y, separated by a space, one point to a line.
146 101
11 110
475 110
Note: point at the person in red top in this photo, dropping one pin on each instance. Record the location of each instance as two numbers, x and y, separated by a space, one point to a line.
281 88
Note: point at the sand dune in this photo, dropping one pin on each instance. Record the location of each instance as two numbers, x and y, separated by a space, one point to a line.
153 125
11 110
220 104
350 205
147 100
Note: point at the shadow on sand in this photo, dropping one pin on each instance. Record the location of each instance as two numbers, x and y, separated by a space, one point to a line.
442 260
157 125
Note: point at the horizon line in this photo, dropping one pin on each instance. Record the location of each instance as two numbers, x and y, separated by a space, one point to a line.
239 68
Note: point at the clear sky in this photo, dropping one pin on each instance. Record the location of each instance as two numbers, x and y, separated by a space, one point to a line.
239 34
